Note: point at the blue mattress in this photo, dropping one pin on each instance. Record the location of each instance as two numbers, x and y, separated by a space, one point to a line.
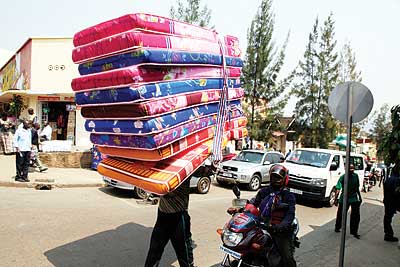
157 57
153 125
131 94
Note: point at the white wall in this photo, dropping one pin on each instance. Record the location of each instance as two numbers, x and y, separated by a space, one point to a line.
48 57
81 135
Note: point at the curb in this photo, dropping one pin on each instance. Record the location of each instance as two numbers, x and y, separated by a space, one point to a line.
55 185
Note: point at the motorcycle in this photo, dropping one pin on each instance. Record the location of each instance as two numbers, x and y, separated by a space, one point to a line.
368 183
370 180
246 240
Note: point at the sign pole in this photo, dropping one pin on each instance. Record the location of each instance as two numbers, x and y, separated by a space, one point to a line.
347 174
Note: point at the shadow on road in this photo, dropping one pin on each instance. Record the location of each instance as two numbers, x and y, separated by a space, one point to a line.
126 245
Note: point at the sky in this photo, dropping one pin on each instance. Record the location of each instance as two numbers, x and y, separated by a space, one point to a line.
370 26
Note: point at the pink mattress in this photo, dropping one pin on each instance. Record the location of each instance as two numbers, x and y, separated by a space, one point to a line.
147 74
143 22
133 39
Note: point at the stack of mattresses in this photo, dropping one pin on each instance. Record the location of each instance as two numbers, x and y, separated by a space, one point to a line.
152 91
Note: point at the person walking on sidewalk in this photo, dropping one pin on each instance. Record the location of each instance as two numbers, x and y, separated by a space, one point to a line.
23 147
35 147
391 201
354 200
173 223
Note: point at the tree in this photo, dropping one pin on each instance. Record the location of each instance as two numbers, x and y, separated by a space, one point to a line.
262 65
317 75
389 148
348 65
328 78
381 124
306 90
191 13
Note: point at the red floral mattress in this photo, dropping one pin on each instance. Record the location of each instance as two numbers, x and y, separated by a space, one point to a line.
144 22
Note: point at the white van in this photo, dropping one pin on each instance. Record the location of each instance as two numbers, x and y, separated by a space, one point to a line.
314 173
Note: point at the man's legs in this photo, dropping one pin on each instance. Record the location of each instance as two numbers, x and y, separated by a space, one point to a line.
354 217
18 165
37 160
158 241
285 247
25 164
387 222
182 241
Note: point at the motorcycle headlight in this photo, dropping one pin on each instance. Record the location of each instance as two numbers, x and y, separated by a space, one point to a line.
230 238
318 182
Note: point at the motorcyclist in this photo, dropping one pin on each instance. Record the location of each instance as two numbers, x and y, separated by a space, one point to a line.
279 220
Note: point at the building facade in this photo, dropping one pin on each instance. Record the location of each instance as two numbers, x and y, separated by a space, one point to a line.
40 72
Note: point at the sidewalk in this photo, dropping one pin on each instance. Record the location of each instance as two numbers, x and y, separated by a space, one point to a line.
57 177
321 246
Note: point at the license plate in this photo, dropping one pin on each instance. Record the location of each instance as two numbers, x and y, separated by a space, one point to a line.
230 252
227 175
296 191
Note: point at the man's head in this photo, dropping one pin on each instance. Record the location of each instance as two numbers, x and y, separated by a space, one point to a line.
25 123
46 123
351 168
4 116
278 176
30 111
36 126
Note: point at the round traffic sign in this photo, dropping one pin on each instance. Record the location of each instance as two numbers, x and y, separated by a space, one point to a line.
350 98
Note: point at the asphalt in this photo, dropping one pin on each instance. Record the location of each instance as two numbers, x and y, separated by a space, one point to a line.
56 177
319 243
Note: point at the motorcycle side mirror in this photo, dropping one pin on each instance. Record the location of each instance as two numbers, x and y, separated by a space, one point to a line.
236 191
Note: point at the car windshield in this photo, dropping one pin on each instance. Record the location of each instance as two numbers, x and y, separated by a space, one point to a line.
311 158
249 156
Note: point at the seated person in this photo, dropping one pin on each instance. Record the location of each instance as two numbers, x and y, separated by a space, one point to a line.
45 134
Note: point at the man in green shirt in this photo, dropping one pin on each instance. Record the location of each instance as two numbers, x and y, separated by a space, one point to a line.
354 200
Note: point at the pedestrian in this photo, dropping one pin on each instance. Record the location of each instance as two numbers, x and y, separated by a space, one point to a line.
288 153
391 201
354 200
35 148
23 147
173 223
45 134
6 135
32 118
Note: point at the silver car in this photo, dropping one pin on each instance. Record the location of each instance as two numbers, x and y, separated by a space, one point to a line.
249 167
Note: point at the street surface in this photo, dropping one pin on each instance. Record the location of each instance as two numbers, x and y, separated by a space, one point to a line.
107 227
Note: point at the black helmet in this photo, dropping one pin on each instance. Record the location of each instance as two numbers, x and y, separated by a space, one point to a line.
278 175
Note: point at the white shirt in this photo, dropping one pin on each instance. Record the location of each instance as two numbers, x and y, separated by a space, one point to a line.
23 139
47 131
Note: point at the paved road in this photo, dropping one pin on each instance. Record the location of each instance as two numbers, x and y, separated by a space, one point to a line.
106 227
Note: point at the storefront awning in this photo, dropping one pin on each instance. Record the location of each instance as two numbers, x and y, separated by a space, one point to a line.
7 95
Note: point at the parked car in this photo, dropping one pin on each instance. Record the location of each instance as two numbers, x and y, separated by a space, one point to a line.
250 167
137 192
314 173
